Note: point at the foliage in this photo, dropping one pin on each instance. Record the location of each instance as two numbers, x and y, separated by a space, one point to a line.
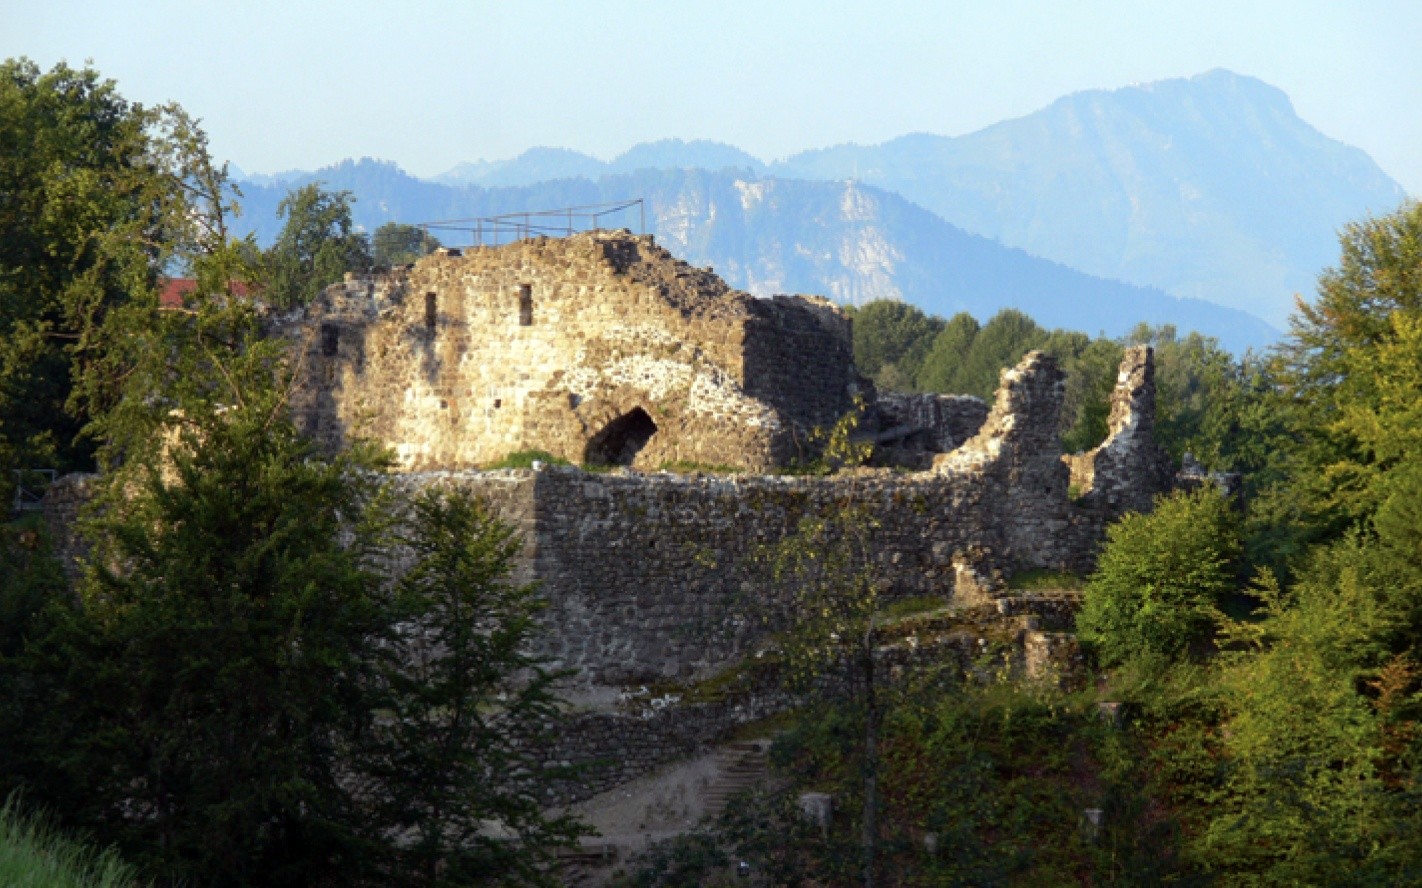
838 447
467 703
691 467
397 244
101 196
893 335
1350 369
694 858
1160 578
226 641
524 459
316 246
829 606
1044 581
1306 797
1091 370
34 855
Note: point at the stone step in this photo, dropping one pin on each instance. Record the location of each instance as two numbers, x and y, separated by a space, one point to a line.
742 765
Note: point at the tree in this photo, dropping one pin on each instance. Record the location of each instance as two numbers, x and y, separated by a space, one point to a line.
1160 579
1319 777
1346 370
1091 377
941 370
97 200
469 708
888 333
230 622
396 244
316 246
831 602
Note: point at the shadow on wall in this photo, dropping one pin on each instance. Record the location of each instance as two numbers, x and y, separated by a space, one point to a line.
619 442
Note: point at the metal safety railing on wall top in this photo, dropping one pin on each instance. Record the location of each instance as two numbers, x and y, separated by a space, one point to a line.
508 227
30 487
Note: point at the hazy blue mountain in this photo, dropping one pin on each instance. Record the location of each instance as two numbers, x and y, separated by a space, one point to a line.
544 164
241 177
674 154
1208 187
533 165
849 241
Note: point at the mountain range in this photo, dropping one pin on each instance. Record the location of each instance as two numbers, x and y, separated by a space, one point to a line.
1205 202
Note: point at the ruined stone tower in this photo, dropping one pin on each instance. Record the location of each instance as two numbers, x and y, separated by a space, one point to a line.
601 348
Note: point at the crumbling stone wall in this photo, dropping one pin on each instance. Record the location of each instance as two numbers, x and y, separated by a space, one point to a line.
600 347
1128 469
653 577
935 423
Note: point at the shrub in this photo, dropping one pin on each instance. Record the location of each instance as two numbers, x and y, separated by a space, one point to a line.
1158 583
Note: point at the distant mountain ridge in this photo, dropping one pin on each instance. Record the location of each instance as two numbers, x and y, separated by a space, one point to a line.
543 164
1210 187
849 241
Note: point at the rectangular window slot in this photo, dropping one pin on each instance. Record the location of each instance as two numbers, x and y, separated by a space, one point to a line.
330 339
525 305
498 402
431 311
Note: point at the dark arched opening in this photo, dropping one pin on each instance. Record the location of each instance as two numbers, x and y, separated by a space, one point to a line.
621 440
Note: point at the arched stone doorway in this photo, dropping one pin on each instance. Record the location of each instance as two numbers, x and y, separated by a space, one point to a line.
619 442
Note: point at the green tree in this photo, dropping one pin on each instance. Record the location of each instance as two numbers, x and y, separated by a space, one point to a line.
230 623
1091 377
99 196
468 708
941 369
974 369
1349 370
828 614
888 333
1160 579
316 246
396 244
1318 788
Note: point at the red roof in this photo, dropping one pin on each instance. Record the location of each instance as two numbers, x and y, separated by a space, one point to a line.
175 290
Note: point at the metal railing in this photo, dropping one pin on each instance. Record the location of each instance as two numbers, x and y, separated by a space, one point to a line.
509 227
30 488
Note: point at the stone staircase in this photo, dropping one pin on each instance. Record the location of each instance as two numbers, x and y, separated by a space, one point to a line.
741 766
586 865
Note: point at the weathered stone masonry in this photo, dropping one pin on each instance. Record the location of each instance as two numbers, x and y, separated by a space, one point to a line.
653 576
600 347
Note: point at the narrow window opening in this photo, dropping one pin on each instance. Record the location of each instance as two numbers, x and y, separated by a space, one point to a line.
431 311
498 402
330 339
525 305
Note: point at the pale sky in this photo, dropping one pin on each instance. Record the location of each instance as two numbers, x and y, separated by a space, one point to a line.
282 85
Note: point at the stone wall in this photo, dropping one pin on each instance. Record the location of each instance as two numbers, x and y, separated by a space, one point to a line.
935 423
652 577
1128 469
600 347
655 576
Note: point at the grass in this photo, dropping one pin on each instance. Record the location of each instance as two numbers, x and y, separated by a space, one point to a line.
688 467
908 607
1045 581
524 459
32 855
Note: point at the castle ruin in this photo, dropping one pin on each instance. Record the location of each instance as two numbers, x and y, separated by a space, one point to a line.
601 348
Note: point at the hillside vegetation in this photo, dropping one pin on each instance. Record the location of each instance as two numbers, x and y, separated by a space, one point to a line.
238 688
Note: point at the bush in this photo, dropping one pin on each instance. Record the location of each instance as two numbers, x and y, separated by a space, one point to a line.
1160 578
